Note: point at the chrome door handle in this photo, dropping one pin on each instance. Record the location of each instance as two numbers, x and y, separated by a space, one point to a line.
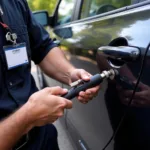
120 53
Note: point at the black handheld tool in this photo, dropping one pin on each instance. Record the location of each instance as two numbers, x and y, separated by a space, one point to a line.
95 80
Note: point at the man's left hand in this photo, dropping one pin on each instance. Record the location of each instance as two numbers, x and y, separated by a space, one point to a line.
84 96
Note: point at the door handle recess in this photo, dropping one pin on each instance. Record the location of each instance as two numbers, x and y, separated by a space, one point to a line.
120 53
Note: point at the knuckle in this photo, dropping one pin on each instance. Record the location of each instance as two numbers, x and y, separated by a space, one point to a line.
63 103
79 98
94 90
84 98
91 90
88 92
82 92
60 114
97 89
46 89
88 97
58 88
81 70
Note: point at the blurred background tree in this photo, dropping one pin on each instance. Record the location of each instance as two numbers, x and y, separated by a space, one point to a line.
48 5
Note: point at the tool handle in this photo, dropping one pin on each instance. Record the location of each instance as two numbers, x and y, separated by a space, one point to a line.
94 81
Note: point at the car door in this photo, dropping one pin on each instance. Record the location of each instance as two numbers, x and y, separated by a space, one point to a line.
113 23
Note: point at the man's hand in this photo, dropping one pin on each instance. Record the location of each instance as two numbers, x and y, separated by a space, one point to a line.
58 67
84 96
46 106
141 98
43 107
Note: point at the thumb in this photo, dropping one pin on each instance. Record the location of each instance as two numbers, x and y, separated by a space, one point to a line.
84 75
68 104
57 91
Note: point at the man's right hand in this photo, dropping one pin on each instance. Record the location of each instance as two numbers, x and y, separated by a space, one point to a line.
46 106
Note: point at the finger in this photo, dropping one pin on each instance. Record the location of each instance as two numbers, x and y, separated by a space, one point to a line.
94 91
145 87
86 95
61 102
141 85
68 104
140 94
82 100
134 102
138 103
127 93
85 102
82 74
126 101
60 113
57 91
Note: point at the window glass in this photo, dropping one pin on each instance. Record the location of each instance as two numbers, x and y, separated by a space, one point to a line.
137 1
95 7
65 11
48 5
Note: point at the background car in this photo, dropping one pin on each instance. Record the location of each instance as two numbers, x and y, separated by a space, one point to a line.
80 27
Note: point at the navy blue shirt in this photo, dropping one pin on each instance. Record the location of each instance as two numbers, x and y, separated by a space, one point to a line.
17 85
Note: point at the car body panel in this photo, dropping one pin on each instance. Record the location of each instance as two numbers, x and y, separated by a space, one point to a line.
95 122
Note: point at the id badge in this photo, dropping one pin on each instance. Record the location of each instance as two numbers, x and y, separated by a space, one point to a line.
16 55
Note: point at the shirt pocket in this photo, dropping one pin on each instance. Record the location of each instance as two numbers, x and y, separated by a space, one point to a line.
22 36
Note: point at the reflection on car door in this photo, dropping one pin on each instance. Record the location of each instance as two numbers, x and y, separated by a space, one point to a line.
93 124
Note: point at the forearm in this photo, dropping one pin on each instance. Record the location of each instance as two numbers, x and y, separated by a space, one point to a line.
12 128
57 66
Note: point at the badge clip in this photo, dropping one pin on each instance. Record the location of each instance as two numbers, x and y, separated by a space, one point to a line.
12 37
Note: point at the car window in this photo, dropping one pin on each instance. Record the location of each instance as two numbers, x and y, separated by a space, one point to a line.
65 11
96 7
48 5
137 1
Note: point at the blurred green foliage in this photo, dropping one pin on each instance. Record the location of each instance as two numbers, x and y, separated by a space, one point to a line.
48 5
116 3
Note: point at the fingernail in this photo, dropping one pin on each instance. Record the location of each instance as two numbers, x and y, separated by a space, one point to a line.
86 77
65 90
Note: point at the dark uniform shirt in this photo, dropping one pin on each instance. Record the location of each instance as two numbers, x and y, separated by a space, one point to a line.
16 85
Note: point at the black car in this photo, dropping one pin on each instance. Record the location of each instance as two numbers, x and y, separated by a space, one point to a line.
98 35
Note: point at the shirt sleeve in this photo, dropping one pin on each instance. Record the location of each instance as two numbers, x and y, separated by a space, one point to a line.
40 42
